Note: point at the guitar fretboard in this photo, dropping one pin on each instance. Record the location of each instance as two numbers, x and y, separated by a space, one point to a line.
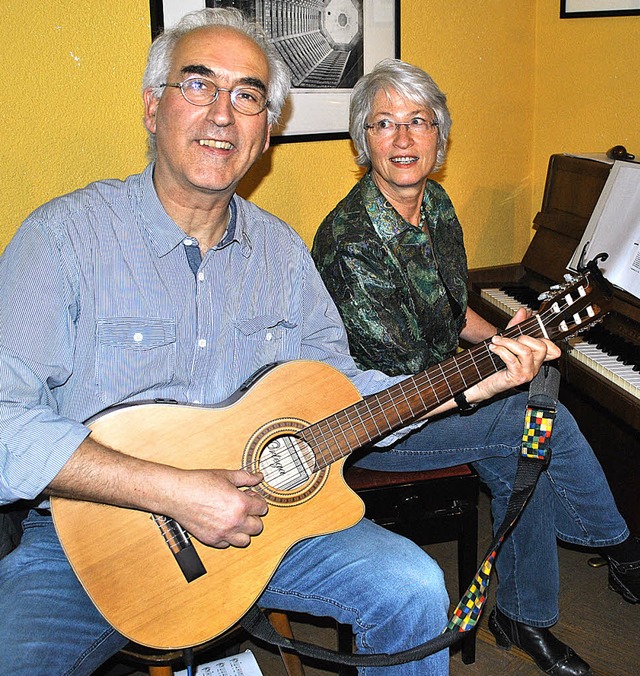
377 415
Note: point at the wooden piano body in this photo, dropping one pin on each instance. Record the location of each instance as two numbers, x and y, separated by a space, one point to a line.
606 405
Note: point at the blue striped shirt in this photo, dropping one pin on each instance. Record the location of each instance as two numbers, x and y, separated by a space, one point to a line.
100 306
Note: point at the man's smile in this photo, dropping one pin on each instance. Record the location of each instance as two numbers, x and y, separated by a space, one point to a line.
212 143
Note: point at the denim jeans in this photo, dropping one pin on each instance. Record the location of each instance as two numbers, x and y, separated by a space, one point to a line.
386 587
572 500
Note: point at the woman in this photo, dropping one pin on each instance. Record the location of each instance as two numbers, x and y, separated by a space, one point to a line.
392 255
400 134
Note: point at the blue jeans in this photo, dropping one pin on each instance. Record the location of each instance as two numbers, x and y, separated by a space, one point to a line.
386 587
572 500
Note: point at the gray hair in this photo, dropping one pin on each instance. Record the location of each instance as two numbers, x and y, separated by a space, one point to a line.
162 48
393 75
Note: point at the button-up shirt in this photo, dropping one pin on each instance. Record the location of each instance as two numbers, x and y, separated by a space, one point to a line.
100 306
401 289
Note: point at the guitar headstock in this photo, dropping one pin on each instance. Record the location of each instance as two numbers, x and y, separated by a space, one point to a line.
572 307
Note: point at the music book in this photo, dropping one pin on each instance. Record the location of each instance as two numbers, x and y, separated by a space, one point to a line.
614 229
243 664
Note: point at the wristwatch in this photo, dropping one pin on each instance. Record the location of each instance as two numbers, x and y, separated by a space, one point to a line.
464 406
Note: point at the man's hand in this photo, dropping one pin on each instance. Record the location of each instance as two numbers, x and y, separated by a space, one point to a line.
210 505
523 358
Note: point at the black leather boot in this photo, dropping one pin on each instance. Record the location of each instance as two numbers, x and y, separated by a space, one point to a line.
549 653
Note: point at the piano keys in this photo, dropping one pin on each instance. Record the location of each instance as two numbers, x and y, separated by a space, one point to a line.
607 354
600 369
609 364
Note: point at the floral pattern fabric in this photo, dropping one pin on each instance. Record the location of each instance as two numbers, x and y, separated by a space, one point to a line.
401 290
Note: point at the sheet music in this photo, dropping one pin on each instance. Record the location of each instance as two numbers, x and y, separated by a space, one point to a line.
243 664
614 228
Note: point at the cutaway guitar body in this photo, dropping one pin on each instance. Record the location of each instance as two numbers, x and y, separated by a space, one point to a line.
129 568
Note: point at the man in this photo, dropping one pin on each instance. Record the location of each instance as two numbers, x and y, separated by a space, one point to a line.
168 285
392 256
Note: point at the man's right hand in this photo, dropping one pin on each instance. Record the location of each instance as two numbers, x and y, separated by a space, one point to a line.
210 505
216 506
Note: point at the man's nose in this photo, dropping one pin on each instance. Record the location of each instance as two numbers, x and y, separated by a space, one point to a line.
221 111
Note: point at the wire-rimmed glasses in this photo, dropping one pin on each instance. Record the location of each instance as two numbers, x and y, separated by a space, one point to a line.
199 91
417 126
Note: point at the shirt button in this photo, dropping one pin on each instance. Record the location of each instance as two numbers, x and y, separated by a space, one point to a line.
137 337
202 342
269 336
188 242
201 276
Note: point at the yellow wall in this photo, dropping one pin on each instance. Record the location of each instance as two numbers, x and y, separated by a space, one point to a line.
587 86
522 84
69 100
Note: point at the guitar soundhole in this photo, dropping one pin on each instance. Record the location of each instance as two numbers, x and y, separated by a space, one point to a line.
288 463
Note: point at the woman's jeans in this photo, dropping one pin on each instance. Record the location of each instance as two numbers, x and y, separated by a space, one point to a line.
572 500
386 587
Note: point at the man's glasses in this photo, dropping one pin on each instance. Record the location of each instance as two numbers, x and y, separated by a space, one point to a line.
418 126
202 92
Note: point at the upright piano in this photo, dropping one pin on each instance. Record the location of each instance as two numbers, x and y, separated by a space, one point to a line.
601 367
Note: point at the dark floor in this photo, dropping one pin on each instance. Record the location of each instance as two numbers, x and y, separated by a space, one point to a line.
601 627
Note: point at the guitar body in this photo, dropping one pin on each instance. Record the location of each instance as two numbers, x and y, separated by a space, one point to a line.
120 555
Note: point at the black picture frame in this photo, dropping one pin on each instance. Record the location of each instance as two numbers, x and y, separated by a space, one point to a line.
312 113
577 9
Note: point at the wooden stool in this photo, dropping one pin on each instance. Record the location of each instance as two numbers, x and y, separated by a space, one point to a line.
426 507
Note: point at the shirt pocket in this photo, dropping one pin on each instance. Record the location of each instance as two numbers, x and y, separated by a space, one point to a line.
260 340
134 355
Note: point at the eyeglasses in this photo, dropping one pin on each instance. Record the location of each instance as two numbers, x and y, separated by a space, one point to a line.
202 92
418 126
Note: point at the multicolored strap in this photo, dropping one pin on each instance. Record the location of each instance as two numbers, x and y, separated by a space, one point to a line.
535 454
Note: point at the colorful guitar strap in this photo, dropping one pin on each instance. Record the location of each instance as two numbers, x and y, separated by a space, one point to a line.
535 455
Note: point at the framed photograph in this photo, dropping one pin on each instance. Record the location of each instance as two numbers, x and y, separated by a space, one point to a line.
327 44
573 9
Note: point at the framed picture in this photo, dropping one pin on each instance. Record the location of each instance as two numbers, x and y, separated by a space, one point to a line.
573 9
327 44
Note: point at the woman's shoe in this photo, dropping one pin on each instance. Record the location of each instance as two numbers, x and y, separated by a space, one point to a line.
549 653
624 578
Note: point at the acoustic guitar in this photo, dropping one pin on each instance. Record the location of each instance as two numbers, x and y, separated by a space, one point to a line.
294 421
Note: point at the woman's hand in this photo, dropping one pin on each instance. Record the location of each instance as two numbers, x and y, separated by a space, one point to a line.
523 357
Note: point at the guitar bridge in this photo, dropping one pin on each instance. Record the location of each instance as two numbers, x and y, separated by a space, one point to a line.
179 542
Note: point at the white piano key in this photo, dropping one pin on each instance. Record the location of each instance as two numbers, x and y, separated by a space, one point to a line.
502 300
606 365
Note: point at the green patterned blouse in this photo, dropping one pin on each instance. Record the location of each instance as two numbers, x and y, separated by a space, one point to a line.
401 290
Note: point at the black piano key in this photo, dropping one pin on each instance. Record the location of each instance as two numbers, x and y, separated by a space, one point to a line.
623 350
523 294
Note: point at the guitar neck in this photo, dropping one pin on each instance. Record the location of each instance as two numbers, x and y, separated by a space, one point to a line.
378 415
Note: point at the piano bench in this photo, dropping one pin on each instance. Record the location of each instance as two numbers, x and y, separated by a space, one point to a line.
426 507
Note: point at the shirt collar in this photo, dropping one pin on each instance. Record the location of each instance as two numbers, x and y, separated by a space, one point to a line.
388 223
162 230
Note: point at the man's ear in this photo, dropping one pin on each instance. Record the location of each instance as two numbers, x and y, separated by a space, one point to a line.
150 107
267 141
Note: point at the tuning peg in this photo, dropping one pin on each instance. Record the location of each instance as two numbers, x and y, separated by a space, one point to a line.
590 325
